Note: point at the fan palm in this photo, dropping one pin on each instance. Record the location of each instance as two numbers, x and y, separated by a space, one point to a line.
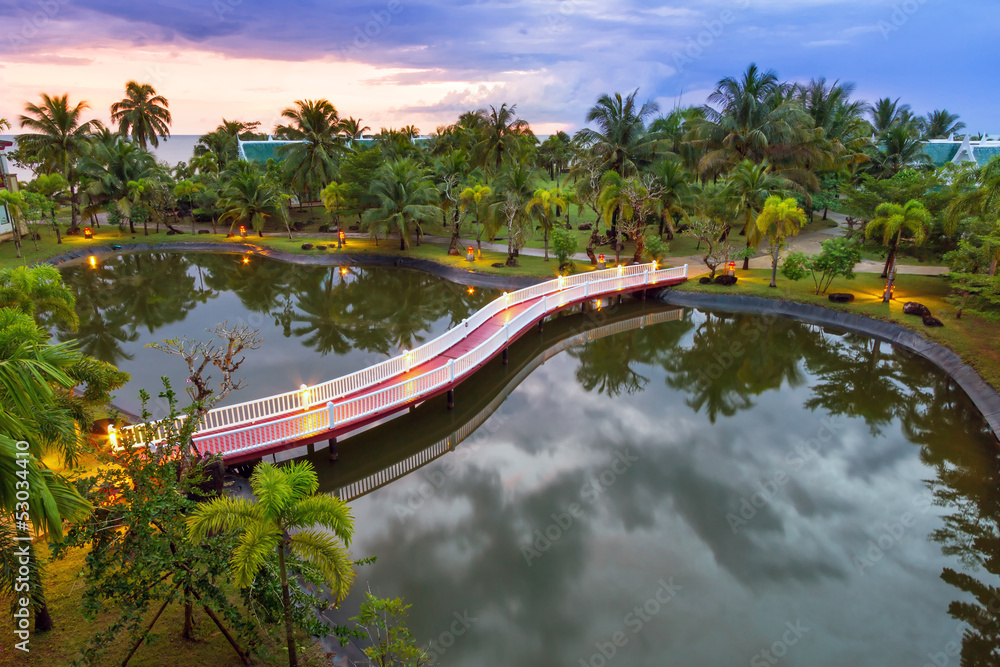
779 219
142 114
59 138
897 223
621 139
312 163
249 198
405 196
287 519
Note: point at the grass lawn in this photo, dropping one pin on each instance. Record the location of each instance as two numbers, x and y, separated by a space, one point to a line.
976 340
64 586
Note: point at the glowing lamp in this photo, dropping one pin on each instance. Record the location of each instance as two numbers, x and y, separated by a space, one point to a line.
601 263
341 239
243 231
731 269
621 269
93 262
343 270
470 254
88 233
246 260
113 436
471 290
304 393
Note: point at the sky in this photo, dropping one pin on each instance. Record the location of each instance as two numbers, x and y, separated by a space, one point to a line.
423 62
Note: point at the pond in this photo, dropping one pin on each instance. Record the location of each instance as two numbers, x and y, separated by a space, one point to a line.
710 489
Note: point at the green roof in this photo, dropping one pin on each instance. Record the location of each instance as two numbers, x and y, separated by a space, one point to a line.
985 153
262 151
941 154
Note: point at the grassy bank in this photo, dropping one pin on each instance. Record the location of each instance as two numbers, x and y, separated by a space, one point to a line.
976 340
47 248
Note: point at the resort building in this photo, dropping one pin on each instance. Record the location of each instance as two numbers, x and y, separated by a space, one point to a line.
8 181
943 151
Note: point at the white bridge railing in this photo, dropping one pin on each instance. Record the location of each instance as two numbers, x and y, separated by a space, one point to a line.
298 414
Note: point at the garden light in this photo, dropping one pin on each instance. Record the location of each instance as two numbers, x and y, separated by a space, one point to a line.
304 393
243 231
113 436
341 239
470 254
88 233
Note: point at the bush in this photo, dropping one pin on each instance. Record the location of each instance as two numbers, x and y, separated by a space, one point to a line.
656 247
837 258
564 245
795 266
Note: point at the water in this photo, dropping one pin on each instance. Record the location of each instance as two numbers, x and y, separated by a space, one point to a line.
658 495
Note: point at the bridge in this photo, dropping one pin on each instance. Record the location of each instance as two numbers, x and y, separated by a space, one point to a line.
250 430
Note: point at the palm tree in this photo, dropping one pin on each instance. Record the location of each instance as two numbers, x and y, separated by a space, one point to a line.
59 140
288 519
249 198
901 149
620 140
888 114
477 197
111 168
405 196
894 221
543 205
53 186
185 190
778 220
313 163
754 118
142 114
751 186
335 197
352 128
502 129
512 192
977 193
939 124
671 182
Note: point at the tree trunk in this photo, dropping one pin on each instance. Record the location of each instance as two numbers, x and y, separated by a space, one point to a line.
546 233
826 209
188 631
774 264
73 227
55 226
286 602
402 241
43 620
889 261
887 296
746 260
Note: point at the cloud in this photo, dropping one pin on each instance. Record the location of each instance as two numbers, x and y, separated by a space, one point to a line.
826 42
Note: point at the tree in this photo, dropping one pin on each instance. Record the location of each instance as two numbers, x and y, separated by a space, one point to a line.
509 209
620 140
111 169
59 141
13 202
940 124
896 224
900 149
837 258
185 191
249 198
313 163
142 114
887 114
477 197
335 197
564 245
352 128
501 130
286 519
405 197
671 181
751 185
778 220
710 223
543 206
383 623
51 186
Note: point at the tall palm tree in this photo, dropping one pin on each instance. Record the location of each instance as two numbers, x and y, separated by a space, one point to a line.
779 219
405 196
753 117
501 130
751 186
59 139
312 164
901 149
671 181
887 114
512 191
543 206
977 193
249 198
940 124
845 133
621 139
288 519
352 128
142 114
896 224
111 168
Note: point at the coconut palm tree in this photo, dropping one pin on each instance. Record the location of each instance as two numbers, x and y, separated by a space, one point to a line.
751 185
335 197
543 206
111 168
287 519
312 164
59 138
898 223
250 199
671 181
501 130
778 220
900 149
621 139
405 196
940 124
512 191
142 114
977 193
352 128
887 114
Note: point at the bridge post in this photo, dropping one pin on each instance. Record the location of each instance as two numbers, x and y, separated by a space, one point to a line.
451 370
451 399
540 323
506 357
333 419
334 452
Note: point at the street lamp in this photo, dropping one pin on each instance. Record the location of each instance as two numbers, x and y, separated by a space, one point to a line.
341 239
243 231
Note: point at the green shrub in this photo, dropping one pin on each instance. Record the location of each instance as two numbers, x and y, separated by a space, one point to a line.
564 245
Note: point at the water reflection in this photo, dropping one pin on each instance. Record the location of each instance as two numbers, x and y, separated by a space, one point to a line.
350 318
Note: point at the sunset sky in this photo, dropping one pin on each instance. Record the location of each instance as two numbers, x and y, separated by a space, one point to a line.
401 62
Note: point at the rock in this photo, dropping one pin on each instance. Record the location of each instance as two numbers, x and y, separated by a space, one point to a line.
307 246
323 229
321 247
204 231
498 265
914 308
171 232
931 321
354 228
725 280
841 297
585 227
705 280
454 251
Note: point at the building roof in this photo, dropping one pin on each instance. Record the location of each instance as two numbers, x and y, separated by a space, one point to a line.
942 152
262 151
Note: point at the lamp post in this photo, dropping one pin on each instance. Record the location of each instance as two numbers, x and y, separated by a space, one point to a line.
601 264
243 231
470 254
341 239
